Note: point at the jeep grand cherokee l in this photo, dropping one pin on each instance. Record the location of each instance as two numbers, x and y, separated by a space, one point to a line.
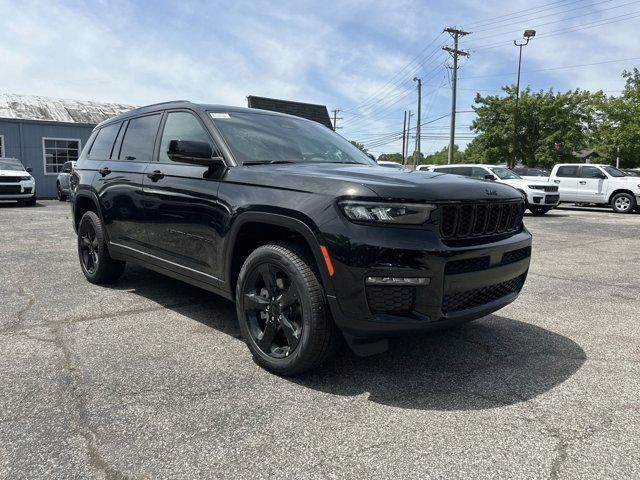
302 230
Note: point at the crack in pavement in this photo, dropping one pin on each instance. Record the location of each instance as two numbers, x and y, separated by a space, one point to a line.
75 384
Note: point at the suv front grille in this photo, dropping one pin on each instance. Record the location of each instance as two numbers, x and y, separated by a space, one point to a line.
9 179
550 188
480 296
392 300
463 221
10 189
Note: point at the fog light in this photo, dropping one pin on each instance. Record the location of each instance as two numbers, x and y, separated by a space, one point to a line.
398 281
537 199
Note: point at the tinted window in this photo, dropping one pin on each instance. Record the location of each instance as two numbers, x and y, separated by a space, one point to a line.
568 171
614 172
455 170
523 171
182 126
139 139
255 137
590 172
101 148
478 172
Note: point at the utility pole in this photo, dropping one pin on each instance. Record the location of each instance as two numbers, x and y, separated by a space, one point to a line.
335 119
528 35
406 149
404 134
416 152
456 34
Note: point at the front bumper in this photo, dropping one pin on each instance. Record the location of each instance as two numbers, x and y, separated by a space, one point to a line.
465 283
17 191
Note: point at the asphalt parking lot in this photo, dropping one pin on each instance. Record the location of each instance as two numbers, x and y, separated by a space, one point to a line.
149 379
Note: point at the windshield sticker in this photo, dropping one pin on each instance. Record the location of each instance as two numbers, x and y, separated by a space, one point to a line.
219 115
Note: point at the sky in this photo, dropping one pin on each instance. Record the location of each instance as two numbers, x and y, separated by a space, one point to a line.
357 56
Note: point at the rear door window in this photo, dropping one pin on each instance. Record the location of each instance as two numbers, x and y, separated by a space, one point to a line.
102 145
139 139
570 171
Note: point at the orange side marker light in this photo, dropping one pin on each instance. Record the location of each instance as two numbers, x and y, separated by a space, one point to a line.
327 260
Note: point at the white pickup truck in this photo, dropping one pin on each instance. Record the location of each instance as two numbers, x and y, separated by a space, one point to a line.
599 184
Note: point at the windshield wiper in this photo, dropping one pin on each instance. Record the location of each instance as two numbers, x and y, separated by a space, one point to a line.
266 162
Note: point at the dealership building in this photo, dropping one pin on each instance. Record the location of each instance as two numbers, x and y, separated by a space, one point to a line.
44 133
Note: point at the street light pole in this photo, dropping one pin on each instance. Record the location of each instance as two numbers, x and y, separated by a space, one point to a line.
528 35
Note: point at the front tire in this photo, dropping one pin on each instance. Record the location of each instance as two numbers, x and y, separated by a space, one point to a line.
281 309
623 203
95 261
60 194
539 210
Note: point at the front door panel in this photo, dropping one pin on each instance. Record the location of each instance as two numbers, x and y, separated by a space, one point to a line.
183 216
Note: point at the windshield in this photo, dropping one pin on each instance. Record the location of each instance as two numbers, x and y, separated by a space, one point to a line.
262 138
11 164
613 172
504 173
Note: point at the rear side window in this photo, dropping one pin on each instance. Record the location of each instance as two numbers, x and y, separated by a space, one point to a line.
568 171
139 139
102 145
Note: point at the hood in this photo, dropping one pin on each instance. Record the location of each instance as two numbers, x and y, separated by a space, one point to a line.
14 173
364 180
523 182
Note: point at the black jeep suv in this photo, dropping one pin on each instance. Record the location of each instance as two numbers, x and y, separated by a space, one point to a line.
304 231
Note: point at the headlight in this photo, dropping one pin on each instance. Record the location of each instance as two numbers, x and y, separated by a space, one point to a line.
382 212
25 178
535 187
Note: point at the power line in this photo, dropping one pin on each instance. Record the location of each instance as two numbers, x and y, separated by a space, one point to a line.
487 21
553 68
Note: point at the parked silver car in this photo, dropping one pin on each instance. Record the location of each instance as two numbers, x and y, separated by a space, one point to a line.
62 182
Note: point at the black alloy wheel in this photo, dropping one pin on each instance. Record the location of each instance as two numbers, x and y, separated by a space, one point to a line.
97 265
281 308
88 245
273 310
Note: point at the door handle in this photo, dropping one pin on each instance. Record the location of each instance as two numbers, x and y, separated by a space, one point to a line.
556 181
582 182
155 175
104 171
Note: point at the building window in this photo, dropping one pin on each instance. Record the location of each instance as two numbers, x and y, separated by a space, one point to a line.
57 151
1 146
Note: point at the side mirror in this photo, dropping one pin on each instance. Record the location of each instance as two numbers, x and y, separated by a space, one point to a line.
488 176
193 152
29 169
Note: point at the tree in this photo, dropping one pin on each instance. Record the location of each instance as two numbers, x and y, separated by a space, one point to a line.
390 157
552 126
441 157
359 145
618 134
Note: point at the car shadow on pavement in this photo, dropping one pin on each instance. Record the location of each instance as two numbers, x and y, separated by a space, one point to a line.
492 362
6 204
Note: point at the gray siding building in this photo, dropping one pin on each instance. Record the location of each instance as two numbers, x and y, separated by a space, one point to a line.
45 132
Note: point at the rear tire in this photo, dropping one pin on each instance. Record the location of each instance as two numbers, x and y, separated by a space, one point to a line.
623 203
95 261
281 308
61 196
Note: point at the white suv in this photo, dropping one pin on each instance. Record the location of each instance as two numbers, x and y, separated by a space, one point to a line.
540 195
16 183
599 184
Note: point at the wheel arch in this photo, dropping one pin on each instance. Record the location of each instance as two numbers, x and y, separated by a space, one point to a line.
84 202
242 239
620 190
